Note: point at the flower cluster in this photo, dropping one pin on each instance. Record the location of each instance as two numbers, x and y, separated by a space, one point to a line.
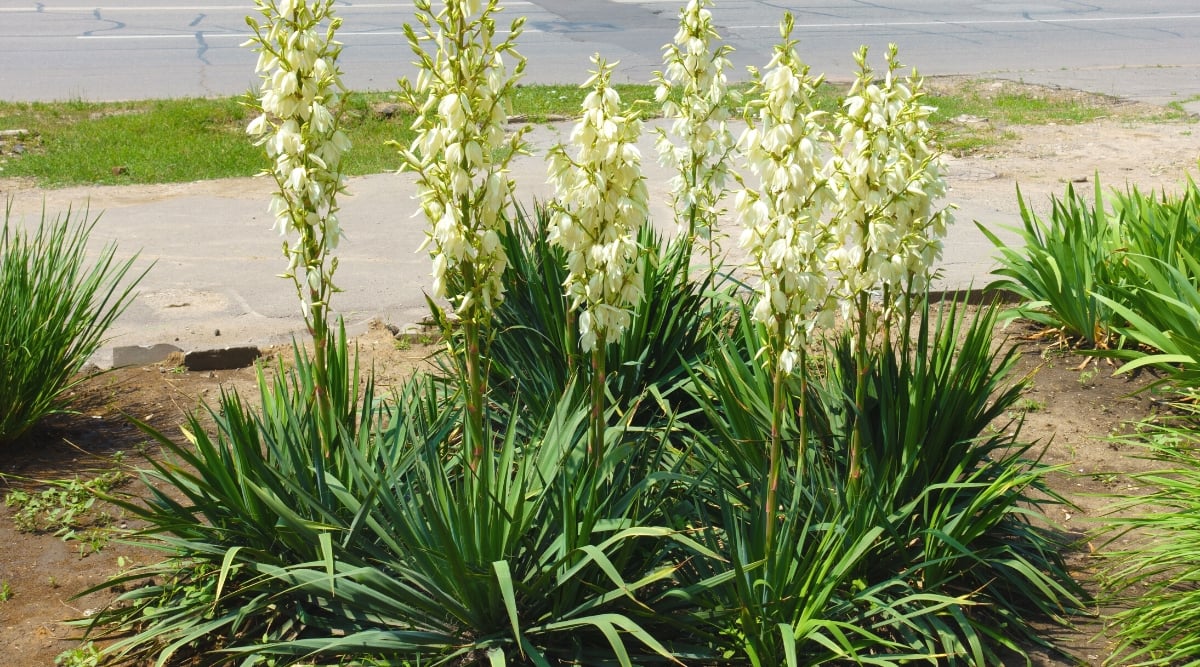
886 177
602 203
297 124
461 151
695 72
785 231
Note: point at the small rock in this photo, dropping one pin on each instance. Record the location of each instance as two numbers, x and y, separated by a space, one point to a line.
216 332
386 109
14 134
120 171
1079 179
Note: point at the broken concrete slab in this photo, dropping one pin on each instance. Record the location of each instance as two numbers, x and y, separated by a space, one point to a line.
221 359
141 355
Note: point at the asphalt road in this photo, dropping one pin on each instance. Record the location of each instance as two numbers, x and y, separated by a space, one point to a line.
76 49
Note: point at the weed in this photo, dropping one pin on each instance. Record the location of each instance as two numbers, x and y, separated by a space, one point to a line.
6 592
1027 405
65 508
91 540
403 343
1086 377
84 655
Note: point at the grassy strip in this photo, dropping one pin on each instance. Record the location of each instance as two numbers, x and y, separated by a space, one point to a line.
180 140
1003 104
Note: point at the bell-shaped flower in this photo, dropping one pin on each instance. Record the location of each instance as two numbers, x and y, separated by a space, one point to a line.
461 151
297 125
602 203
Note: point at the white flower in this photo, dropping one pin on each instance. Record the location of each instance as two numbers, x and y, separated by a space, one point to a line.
297 126
461 151
886 178
602 203
784 227
696 72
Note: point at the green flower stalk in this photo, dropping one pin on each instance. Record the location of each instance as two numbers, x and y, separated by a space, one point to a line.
785 233
602 203
695 72
298 125
886 177
460 157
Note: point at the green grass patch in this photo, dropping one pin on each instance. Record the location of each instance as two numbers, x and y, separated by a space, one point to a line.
973 115
170 141
191 139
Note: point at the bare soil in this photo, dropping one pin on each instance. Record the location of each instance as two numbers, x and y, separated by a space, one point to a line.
1070 409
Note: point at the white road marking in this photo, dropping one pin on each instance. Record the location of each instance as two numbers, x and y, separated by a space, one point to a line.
234 35
923 24
340 8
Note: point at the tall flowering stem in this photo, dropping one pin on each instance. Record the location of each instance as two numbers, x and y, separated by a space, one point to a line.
695 74
785 234
460 157
886 178
602 203
298 125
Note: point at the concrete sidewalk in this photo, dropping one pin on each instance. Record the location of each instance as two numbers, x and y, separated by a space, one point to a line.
214 281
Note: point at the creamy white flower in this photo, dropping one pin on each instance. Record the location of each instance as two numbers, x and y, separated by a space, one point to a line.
602 203
700 143
785 232
886 178
297 127
461 150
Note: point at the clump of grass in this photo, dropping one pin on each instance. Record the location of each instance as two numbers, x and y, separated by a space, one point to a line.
57 308
1157 580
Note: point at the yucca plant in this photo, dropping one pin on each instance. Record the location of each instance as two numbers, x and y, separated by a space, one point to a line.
1162 316
1062 266
534 557
1156 579
56 307
232 509
805 609
390 545
533 354
949 547
958 494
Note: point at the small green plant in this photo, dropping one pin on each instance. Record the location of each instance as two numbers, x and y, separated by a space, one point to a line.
1062 268
84 655
1029 405
403 343
1087 377
1106 478
6 591
66 508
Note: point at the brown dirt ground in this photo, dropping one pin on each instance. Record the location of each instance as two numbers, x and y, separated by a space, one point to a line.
1069 409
